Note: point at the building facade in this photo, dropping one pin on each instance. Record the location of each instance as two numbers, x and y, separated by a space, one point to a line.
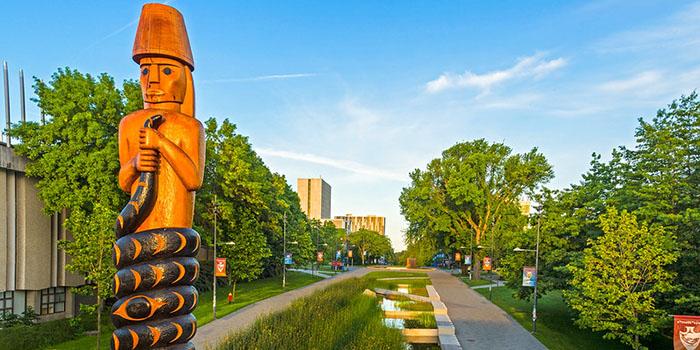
368 222
32 268
315 198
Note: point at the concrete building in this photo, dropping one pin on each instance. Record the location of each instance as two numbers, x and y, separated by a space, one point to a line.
315 198
368 222
32 268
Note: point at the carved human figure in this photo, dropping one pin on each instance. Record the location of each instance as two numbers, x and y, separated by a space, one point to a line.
162 155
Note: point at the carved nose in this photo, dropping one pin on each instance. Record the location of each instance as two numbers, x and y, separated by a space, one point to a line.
153 75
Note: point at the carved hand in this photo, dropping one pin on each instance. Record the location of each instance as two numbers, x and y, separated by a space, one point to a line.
147 160
149 139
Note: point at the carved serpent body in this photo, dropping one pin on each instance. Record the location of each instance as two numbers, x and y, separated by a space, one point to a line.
156 270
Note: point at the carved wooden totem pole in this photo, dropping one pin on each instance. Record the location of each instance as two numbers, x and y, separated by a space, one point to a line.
161 152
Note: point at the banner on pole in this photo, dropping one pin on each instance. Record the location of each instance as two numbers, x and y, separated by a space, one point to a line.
468 260
487 263
349 253
288 259
529 276
458 256
319 256
686 332
220 267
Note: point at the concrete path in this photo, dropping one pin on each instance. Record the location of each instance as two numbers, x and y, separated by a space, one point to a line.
214 332
479 324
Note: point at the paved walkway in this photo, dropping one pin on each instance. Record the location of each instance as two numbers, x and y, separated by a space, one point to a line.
209 335
479 324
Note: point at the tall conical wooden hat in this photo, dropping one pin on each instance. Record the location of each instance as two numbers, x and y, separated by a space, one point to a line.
162 32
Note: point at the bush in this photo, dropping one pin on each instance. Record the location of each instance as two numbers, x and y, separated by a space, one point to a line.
10 320
37 336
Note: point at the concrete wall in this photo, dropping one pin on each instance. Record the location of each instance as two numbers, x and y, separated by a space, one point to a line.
29 256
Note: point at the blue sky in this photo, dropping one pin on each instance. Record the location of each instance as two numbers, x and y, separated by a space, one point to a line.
362 92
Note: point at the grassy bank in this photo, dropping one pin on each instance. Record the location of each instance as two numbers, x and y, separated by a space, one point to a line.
247 293
474 283
555 328
338 317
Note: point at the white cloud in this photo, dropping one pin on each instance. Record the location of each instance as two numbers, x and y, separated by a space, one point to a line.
261 78
535 66
641 81
342 164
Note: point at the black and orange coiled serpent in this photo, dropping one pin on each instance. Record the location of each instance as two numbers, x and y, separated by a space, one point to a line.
156 270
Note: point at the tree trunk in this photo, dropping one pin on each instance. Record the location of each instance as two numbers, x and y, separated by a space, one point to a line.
99 320
476 269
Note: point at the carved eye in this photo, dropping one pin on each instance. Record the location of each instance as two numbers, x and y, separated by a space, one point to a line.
167 71
145 71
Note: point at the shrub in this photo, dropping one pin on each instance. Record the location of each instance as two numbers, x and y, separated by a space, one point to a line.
37 336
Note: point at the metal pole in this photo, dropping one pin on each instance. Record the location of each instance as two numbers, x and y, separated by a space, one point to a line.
7 102
537 277
493 261
21 96
471 254
284 252
214 283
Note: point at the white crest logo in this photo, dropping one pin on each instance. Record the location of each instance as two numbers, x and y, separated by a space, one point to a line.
689 338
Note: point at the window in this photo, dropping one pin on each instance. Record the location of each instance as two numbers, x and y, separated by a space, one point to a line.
6 302
53 300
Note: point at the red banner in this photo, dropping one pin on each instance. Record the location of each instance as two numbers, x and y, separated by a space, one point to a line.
220 267
487 263
686 332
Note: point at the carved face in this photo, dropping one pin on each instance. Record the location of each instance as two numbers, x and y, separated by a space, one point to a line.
163 80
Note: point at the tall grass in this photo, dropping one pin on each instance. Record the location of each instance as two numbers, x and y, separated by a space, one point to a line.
338 317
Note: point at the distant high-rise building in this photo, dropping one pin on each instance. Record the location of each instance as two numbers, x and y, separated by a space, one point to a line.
368 222
315 198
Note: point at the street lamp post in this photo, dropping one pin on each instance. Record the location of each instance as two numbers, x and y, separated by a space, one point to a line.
284 251
490 271
215 211
537 274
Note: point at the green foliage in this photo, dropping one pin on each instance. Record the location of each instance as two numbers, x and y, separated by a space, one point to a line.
338 317
615 284
470 194
38 336
370 244
27 318
251 202
74 156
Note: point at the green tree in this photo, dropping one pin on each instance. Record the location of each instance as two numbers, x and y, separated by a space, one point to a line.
621 272
251 203
74 156
237 177
370 244
463 196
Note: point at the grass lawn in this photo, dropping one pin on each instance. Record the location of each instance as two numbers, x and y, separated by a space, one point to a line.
474 283
555 328
246 294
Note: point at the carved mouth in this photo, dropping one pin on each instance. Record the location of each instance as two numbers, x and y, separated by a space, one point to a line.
154 92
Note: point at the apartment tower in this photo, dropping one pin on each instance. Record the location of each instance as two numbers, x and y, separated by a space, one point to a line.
315 198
